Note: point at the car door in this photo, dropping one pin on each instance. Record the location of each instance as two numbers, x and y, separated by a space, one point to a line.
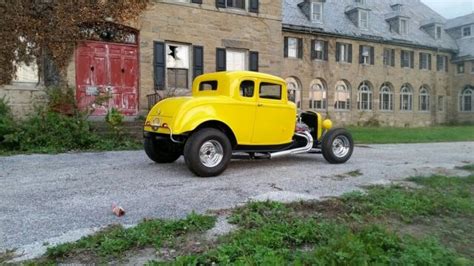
275 117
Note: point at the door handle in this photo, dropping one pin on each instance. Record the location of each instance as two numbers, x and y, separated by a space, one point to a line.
259 105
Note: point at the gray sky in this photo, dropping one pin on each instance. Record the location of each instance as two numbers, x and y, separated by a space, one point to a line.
451 8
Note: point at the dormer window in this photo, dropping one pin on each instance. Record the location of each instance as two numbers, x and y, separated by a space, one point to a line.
403 26
397 7
360 2
363 19
438 32
466 31
317 12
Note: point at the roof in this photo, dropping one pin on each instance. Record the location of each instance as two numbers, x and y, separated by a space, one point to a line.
335 21
460 21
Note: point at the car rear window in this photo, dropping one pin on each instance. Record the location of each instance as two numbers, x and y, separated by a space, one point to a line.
208 85
270 91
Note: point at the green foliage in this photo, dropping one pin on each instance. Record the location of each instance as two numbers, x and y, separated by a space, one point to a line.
115 240
7 124
380 135
115 120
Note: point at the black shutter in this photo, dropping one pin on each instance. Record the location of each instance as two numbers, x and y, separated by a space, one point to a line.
401 58
220 4
159 63
196 1
420 60
253 6
221 59
326 50
198 61
313 51
412 58
253 61
361 57
393 57
285 49
338 52
300 48
350 53
372 55
429 61
446 63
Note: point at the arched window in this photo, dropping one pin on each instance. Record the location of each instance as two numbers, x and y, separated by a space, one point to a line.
343 96
294 91
406 98
386 97
317 95
364 97
466 99
424 99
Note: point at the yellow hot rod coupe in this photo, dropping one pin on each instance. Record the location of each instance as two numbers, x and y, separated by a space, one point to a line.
240 112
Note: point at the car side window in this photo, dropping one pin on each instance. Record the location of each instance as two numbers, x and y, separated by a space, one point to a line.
208 85
270 91
247 88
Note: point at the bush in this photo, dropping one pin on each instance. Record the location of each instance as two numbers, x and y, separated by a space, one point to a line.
7 124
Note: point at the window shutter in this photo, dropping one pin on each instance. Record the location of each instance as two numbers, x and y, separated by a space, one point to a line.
402 64
300 48
447 63
159 62
372 55
361 57
429 61
253 6
253 65
196 1
338 51
198 61
285 49
393 57
220 4
326 52
350 53
420 60
412 59
313 51
221 60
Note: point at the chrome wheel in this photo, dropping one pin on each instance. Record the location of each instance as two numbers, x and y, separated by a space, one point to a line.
341 146
211 153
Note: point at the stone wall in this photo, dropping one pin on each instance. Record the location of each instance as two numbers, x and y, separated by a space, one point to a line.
460 81
23 98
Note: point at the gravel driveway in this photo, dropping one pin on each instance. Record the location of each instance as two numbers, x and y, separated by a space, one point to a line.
54 198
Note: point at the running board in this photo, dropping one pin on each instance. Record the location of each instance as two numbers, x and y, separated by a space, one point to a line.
304 149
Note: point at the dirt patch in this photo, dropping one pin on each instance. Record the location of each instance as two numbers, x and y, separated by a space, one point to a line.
344 176
7 256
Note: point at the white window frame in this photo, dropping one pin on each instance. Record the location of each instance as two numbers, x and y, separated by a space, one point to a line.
314 14
294 91
292 49
424 104
364 91
366 54
319 54
426 61
406 91
318 103
445 62
363 24
185 64
344 53
408 56
470 31
466 92
342 89
387 61
460 66
243 53
403 30
238 8
438 32
386 95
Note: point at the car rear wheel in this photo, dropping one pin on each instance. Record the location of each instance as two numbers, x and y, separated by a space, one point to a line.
162 151
207 152
337 146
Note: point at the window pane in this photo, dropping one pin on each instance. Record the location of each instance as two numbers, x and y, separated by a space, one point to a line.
270 91
292 47
236 60
247 88
177 78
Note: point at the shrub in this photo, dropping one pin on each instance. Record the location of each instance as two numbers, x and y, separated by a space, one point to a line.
7 124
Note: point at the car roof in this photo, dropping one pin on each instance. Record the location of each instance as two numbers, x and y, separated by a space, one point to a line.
240 74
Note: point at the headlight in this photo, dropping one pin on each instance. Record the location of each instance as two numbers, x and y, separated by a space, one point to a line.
327 124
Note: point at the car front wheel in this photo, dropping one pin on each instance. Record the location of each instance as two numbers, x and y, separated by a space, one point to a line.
337 146
207 152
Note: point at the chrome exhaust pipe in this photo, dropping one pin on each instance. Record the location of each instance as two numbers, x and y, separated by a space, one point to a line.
304 149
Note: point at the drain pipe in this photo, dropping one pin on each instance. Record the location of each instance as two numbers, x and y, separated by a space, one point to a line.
304 149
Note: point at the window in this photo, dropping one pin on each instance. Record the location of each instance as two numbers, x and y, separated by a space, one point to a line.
424 100
208 85
317 95
26 73
407 59
425 61
363 19
442 63
343 96
466 99
292 47
472 67
294 91
406 98
403 27
439 31
466 31
247 88
460 68
397 7
344 52
319 50
270 91
389 57
317 12
366 55
177 64
386 98
364 97
236 3
236 60
441 103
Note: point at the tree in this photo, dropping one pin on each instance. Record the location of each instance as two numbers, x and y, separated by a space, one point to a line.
46 31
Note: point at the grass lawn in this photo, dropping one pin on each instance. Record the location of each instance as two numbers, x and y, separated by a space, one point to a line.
381 135
426 224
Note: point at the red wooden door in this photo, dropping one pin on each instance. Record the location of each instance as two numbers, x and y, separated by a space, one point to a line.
108 73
